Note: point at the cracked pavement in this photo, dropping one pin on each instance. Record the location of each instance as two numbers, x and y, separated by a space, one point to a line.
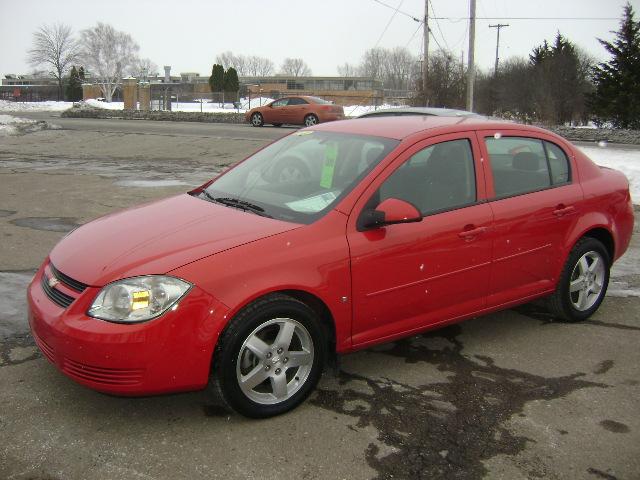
507 396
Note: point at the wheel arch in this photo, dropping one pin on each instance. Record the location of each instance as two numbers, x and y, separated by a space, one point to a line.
605 237
313 301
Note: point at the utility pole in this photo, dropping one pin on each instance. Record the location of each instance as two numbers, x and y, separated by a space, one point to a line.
471 73
497 27
425 55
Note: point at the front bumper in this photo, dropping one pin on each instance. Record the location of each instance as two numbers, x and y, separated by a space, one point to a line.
168 354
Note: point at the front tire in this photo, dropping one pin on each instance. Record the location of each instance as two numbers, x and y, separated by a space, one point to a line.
311 120
257 120
270 357
583 282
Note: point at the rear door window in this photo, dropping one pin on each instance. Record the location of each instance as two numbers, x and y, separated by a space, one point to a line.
297 101
518 164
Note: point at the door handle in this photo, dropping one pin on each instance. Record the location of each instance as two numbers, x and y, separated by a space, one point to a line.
561 210
471 232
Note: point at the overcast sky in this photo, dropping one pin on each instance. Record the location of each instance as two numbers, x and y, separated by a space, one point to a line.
188 34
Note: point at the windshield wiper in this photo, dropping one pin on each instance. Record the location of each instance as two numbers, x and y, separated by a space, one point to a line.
237 203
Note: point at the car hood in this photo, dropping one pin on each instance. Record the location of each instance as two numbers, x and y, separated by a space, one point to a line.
156 238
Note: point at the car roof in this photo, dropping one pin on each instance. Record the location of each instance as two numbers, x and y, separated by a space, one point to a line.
403 126
442 112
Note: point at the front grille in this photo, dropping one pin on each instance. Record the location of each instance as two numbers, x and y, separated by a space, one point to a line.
68 281
106 376
56 296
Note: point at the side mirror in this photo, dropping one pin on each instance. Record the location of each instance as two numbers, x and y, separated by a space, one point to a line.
389 212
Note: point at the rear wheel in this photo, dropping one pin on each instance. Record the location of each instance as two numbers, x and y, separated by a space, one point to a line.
311 119
257 120
270 357
583 282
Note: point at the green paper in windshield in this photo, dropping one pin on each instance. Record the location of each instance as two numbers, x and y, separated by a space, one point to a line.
329 166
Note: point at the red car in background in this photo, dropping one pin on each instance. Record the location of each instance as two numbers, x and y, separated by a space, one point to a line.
390 227
301 110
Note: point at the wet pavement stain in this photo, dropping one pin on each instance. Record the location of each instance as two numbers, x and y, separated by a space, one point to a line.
17 349
444 430
601 474
7 213
50 224
603 367
615 427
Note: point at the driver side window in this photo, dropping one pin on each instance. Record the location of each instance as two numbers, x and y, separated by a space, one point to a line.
280 103
438 178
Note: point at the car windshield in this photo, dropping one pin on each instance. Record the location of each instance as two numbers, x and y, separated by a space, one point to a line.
300 177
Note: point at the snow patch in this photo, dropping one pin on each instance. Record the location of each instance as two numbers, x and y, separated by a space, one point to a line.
10 125
49 106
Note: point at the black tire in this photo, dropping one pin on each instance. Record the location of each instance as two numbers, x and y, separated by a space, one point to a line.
311 119
562 303
276 124
257 120
230 355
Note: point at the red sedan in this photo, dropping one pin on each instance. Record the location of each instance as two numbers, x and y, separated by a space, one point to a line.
302 110
392 226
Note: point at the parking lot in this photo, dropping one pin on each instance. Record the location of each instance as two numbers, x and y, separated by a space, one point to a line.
510 395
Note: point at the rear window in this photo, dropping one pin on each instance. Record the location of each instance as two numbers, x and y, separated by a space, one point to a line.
558 164
320 100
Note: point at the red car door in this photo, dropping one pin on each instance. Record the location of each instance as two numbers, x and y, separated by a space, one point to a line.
409 276
297 110
535 199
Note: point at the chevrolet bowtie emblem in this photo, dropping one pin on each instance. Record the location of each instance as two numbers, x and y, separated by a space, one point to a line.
53 281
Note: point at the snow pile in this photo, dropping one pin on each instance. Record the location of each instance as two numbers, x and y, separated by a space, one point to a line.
49 106
625 160
92 102
16 126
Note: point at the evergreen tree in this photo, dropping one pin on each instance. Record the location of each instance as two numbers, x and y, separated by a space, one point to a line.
617 95
74 85
216 80
231 81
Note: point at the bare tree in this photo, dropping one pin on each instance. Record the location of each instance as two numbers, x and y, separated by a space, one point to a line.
229 59
347 70
54 46
373 63
143 68
295 67
259 66
397 67
108 54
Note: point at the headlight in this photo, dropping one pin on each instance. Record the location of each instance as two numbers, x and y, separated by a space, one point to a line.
138 299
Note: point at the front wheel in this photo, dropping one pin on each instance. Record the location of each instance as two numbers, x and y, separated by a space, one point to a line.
583 282
257 120
311 119
270 357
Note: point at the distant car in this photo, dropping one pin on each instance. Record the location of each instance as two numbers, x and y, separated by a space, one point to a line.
332 239
300 110
403 111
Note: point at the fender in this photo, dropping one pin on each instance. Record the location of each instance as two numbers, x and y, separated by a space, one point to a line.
238 276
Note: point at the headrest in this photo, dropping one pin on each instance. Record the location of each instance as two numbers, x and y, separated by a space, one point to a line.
526 161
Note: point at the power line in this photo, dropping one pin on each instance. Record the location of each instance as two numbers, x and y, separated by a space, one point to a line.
457 19
413 36
399 11
389 23
438 25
